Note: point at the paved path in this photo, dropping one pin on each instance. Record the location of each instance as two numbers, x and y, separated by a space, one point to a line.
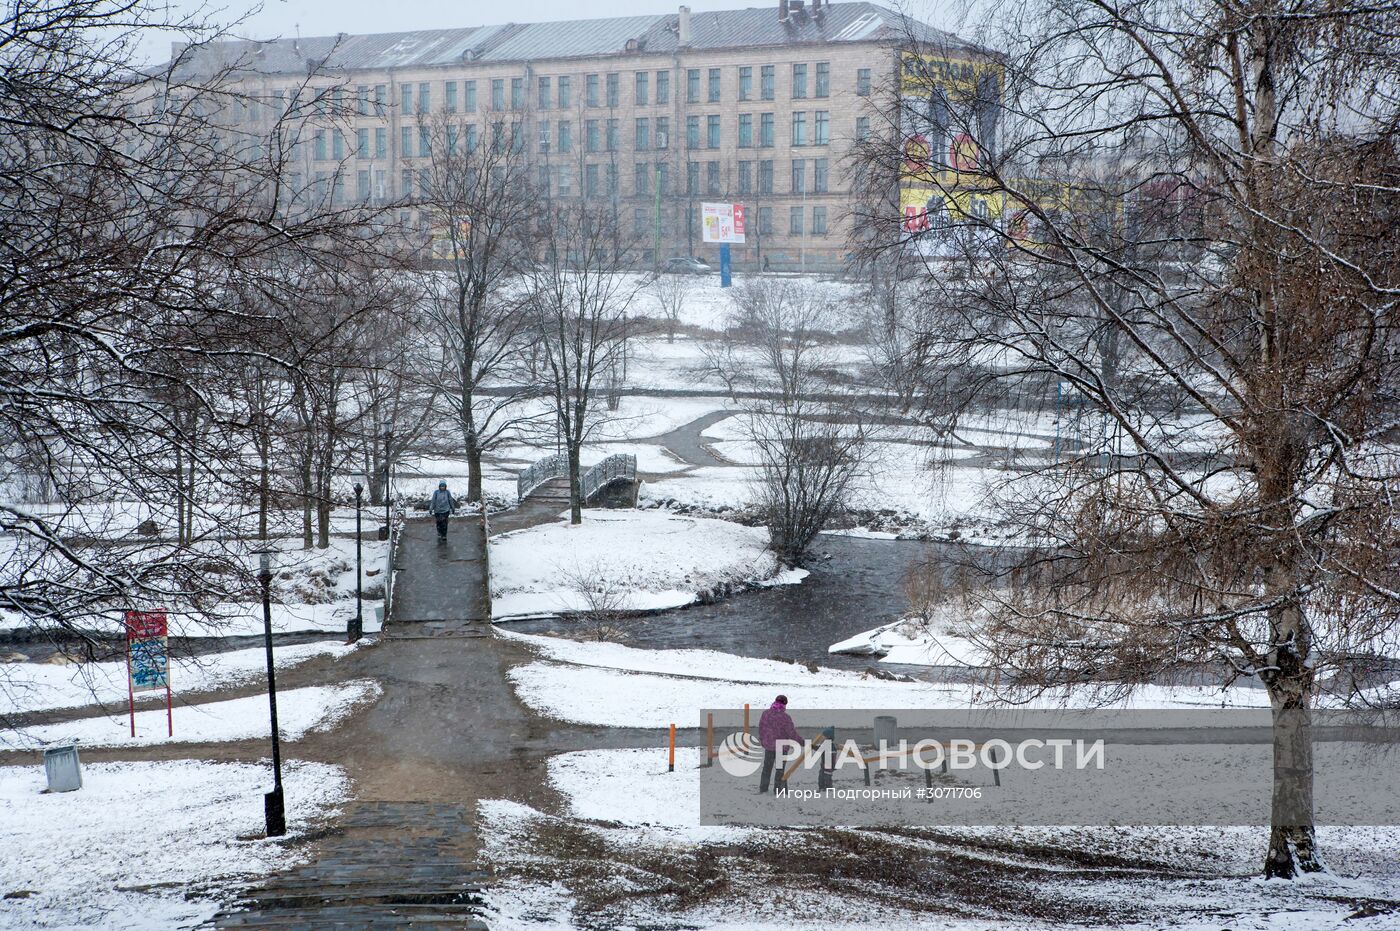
688 443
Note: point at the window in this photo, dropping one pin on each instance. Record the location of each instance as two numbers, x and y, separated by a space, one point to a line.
498 133
337 145
542 94
765 221
362 186
381 99
823 88
639 221
612 181
765 82
452 133
590 84
612 135
381 142
799 129
712 177
714 85
565 181
641 139
338 100
424 95
795 221
542 179
406 183
863 82
424 183
692 132
362 143
544 136
799 176
641 178
821 129
663 87
517 137
517 93
318 145
663 178
799 81
765 130
765 177
819 175
406 99
640 87
746 177
663 132
566 135
745 130
590 180
712 131
692 178
498 94
563 94
592 136
862 127
469 97
425 145
692 85
819 221
471 137
612 90
361 107
451 96
745 82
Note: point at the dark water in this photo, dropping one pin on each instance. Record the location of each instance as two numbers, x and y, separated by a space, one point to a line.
855 585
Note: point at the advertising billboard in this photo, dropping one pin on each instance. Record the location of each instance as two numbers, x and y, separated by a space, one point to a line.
722 223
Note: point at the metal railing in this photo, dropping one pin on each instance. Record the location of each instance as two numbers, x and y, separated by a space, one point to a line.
536 475
620 466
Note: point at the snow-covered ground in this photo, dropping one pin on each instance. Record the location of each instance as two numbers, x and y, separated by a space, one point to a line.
147 844
646 560
912 642
26 687
299 711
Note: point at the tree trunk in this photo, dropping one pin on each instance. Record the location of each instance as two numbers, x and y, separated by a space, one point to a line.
307 542
575 498
473 472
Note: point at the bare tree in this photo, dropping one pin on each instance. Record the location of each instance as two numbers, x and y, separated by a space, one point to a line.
579 295
483 205
1182 228
670 293
779 363
601 601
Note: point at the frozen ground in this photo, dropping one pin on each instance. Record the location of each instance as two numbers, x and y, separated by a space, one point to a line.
147 844
299 711
644 559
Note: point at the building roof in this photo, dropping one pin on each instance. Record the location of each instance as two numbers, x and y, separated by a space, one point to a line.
583 38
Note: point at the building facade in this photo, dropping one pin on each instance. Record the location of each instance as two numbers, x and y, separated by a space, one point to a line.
656 113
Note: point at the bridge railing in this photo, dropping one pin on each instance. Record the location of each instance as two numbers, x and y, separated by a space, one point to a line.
540 472
617 467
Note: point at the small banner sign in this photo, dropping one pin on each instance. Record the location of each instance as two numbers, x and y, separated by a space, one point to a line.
148 661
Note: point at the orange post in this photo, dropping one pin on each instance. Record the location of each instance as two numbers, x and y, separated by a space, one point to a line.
710 739
671 765
746 719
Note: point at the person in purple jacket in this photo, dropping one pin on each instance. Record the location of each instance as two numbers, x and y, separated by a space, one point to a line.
773 726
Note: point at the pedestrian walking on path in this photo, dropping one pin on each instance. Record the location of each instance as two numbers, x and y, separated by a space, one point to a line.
773 726
441 507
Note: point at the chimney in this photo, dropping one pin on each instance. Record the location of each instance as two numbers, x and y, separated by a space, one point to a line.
782 11
683 30
816 8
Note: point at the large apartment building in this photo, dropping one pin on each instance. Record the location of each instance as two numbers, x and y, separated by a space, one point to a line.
658 113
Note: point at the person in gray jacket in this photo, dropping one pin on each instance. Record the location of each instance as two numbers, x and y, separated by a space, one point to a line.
441 507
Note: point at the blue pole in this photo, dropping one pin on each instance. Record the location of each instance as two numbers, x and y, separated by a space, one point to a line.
725 279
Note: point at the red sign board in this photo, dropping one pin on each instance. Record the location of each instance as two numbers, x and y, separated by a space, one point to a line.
147 661
143 624
739 221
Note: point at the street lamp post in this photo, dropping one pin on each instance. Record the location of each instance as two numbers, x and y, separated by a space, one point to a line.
357 626
273 808
388 438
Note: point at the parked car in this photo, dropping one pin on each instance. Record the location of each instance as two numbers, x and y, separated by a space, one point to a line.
687 265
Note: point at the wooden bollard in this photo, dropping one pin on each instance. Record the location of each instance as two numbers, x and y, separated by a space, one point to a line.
710 739
746 719
671 764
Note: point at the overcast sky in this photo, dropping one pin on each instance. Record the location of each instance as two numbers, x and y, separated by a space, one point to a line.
328 17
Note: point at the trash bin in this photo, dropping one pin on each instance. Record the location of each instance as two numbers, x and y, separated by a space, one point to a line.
62 768
886 731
